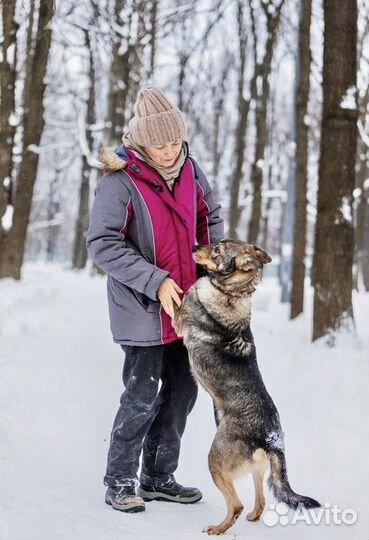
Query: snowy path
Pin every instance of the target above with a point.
(61, 383)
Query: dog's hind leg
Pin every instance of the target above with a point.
(224, 481)
(258, 477)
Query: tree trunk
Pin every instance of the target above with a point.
(302, 97)
(240, 135)
(218, 100)
(364, 256)
(264, 68)
(181, 80)
(362, 221)
(126, 67)
(334, 234)
(361, 262)
(79, 249)
(12, 243)
(118, 82)
(53, 210)
(7, 102)
(153, 32)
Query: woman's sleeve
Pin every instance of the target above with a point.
(210, 226)
(110, 215)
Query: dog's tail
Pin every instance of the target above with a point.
(278, 483)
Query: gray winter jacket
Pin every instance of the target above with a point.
(140, 233)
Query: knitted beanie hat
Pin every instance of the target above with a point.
(156, 121)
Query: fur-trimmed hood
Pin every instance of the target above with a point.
(116, 159)
(111, 158)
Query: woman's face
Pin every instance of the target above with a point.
(166, 154)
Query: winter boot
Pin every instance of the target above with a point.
(153, 489)
(124, 498)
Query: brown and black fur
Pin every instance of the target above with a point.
(214, 320)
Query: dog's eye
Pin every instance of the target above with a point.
(216, 251)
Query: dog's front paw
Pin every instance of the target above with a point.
(253, 516)
(213, 529)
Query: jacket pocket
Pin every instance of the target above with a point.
(150, 305)
(130, 299)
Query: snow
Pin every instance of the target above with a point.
(13, 119)
(276, 440)
(260, 163)
(349, 99)
(91, 160)
(7, 219)
(61, 384)
(275, 193)
(10, 54)
(46, 223)
(34, 148)
(346, 210)
(363, 134)
(259, 84)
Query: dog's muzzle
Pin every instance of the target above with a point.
(230, 268)
(227, 270)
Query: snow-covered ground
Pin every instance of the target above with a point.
(61, 383)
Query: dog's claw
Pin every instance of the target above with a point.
(251, 516)
(212, 529)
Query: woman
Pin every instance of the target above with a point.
(152, 205)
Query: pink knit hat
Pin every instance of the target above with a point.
(156, 120)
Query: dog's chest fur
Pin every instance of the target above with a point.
(213, 325)
(232, 312)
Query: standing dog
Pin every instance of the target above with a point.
(214, 320)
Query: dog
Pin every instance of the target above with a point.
(214, 321)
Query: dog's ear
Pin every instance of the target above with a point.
(243, 262)
(262, 255)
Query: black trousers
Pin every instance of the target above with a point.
(150, 419)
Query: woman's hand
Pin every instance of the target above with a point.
(168, 294)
